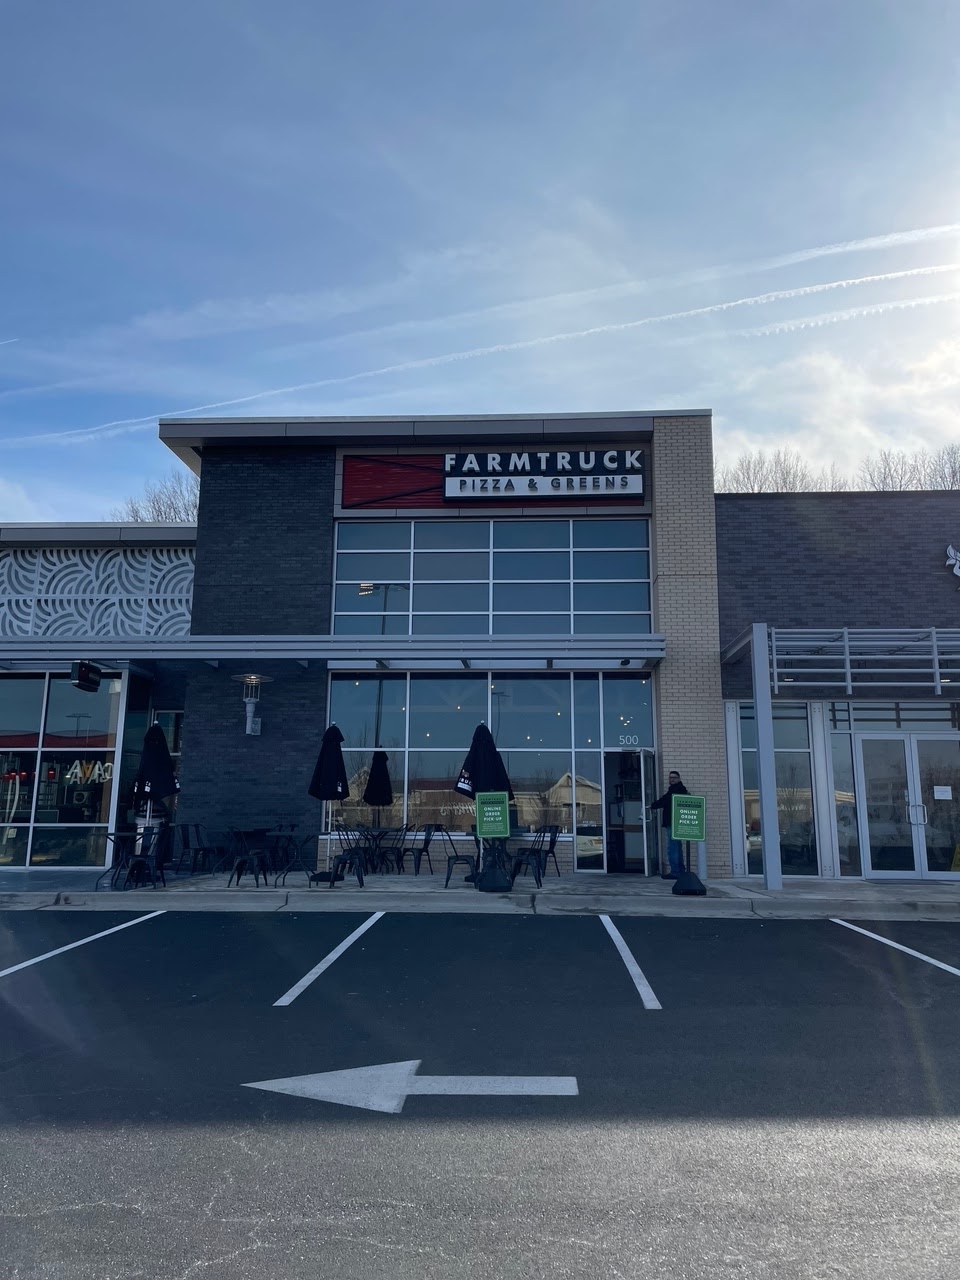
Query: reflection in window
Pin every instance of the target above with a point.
(21, 705)
(431, 796)
(588, 815)
(354, 811)
(445, 710)
(63, 847)
(541, 786)
(75, 718)
(13, 846)
(17, 777)
(845, 804)
(586, 711)
(627, 712)
(611, 533)
(906, 715)
(369, 711)
(74, 787)
(531, 711)
(798, 838)
(583, 577)
(451, 535)
(373, 535)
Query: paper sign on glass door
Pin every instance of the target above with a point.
(943, 793)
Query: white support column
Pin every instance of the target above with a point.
(738, 834)
(823, 800)
(766, 761)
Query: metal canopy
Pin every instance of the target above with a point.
(860, 660)
(397, 653)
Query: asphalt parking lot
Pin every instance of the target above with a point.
(789, 1109)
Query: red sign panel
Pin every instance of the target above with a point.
(393, 482)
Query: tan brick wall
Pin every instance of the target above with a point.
(690, 727)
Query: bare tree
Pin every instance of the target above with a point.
(890, 469)
(172, 500)
(785, 471)
(782, 471)
(942, 468)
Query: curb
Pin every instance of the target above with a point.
(469, 902)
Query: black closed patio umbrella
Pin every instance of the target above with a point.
(484, 770)
(156, 780)
(329, 781)
(378, 793)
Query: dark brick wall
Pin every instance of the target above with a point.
(264, 542)
(264, 567)
(835, 560)
(230, 779)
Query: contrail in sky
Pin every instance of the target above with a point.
(124, 425)
(5, 342)
(851, 313)
(626, 288)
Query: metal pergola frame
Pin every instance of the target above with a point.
(851, 660)
(353, 653)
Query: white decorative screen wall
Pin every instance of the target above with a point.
(96, 591)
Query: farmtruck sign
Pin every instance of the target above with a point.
(550, 474)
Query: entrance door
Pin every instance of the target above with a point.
(629, 831)
(938, 802)
(910, 805)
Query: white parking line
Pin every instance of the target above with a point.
(650, 1001)
(289, 996)
(878, 937)
(25, 964)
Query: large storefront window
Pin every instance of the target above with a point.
(493, 577)
(550, 729)
(794, 773)
(57, 757)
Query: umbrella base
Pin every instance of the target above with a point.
(494, 880)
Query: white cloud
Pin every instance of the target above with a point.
(16, 505)
(834, 408)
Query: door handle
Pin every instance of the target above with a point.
(923, 820)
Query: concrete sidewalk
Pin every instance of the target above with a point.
(564, 895)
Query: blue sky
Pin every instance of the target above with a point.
(444, 206)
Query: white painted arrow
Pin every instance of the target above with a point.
(386, 1087)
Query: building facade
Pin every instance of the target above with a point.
(571, 581)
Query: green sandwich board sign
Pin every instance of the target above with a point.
(688, 818)
(493, 815)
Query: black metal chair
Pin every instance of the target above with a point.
(146, 859)
(195, 848)
(280, 845)
(549, 848)
(250, 857)
(355, 850)
(528, 859)
(391, 850)
(124, 844)
(454, 855)
(420, 848)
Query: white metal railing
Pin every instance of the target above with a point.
(857, 660)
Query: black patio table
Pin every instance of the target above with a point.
(378, 838)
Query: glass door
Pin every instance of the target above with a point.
(889, 819)
(628, 777)
(910, 805)
(937, 767)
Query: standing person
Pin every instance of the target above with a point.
(675, 787)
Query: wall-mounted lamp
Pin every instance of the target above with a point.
(251, 696)
(624, 662)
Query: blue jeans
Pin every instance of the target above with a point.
(675, 854)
